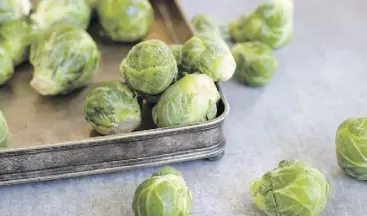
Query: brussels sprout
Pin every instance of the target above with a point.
(71, 12)
(177, 52)
(351, 147)
(16, 37)
(270, 23)
(111, 108)
(294, 188)
(256, 64)
(14, 10)
(149, 67)
(205, 23)
(125, 20)
(190, 100)
(7, 66)
(209, 54)
(5, 137)
(64, 58)
(164, 193)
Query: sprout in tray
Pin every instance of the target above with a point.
(177, 52)
(7, 66)
(294, 188)
(205, 23)
(149, 67)
(125, 20)
(270, 23)
(164, 193)
(64, 58)
(208, 54)
(112, 108)
(256, 64)
(14, 10)
(71, 12)
(5, 137)
(16, 37)
(192, 99)
(351, 147)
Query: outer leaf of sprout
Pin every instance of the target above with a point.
(190, 100)
(64, 58)
(205, 23)
(177, 52)
(208, 54)
(16, 37)
(256, 64)
(70, 12)
(125, 20)
(111, 108)
(7, 66)
(351, 147)
(14, 10)
(164, 193)
(149, 67)
(294, 188)
(5, 137)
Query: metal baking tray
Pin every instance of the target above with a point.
(52, 140)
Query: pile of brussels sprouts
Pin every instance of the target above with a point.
(254, 37)
(178, 79)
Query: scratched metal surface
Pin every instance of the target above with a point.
(320, 82)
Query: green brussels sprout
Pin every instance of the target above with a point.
(71, 12)
(16, 37)
(112, 108)
(192, 99)
(270, 23)
(208, 54)
(149, 67)
(256, 64)
(177, 52)
(7, 66)
(5, 137)
(294, 188)
(125, 20)
(64, 58)
(205, 23)
(164, 193)
(14, 10)
(351, 147)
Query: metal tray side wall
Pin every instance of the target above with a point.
(92, 155)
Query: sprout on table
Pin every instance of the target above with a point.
(294, 188)
(256, 64)
(351, 147)
(270, 23)
(164, 193)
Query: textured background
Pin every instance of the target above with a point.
(320, 82)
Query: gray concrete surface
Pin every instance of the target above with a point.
(320, 82)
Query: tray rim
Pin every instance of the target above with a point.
(136, 135)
